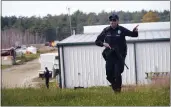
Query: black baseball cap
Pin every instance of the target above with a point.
(114, 16)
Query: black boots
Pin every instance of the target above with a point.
(115, 88)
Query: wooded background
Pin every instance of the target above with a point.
(36, 30)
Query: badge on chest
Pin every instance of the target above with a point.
(118, 33)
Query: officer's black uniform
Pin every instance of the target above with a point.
(46, 75)
(116, 39)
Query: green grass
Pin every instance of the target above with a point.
(27, 57)
(5, 66)
(95, 96)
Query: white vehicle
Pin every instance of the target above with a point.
(51, 61)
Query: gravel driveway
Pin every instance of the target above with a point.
(20, 75)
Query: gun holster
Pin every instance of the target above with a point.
(106, 52)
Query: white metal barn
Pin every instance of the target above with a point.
(82, 64)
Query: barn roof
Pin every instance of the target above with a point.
(147, 32)
(130, 26)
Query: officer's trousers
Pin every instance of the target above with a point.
(47, 82)
(114, 69)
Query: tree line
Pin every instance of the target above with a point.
(57, 27)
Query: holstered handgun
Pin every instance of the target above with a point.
(108, 52)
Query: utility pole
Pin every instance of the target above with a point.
(57, 35)
(69, 19)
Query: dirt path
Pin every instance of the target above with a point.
(20, 75)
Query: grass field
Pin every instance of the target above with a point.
(26, 58)
(95, 96)
(5, 66)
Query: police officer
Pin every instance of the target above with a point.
(47, 75)
(111, 37)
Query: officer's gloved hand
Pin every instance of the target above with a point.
(106, 45)
(135, 29)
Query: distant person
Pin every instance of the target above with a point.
(13, 54)
(113, 38)
(47, 75)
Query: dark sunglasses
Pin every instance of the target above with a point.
(114, 20)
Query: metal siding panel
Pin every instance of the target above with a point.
(62, 70)
(83, 68)
(152, 57)
(66, 68)
(88, 68)
(91, 75)
(66, 60)
(85, 60)
(88, 61)
(75, 77)
(69, 67)
(128, 76)
(76, 62)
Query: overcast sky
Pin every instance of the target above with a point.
(42, 8)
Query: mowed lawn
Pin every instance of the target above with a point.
(95, 96)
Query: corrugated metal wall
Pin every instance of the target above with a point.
(128, 76)
(152, 57)
(85, 66)
(62, 67)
